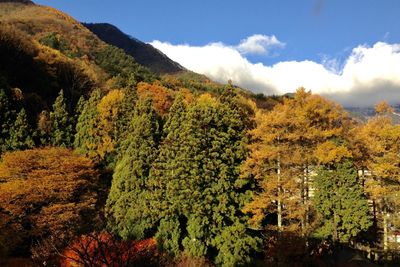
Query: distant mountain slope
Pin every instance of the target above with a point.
(43, 50)
(363, 114)
(143, 53)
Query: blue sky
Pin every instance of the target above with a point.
(328, 38)
(310, 28)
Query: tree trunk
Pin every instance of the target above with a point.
(385, 232)
(303, 202)
(279, 210)
(335, 235)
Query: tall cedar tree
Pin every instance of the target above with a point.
(203, 192)
(125, 206)
(163, 182)
(62, 131)
(126, 110)
(340, 200)
(20, 134)
(88, 136)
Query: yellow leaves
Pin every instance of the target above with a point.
(207, 100)
(109, 109)
(109, 105)
(383, 108)
(329, 153)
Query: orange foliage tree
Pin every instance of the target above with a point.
(45, 192)
(161, 96)
(102, 249)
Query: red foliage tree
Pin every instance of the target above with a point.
(103, 249)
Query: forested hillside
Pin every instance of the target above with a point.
(105, 163)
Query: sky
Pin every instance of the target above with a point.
(348, 50)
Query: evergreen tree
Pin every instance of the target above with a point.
(199, 178)
(87, 137)
(78, 109)
(340, 200)
(126, 113)
(62, 132)
(20, 133)
(168, 235)
(213, 149)
(5, 119)
(163, 172)
(126, 206)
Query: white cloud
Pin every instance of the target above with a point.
(368, 75)
(259, 44)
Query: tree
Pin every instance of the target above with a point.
(340, 200)
(213, 149)
(161, 96)
(125, 206)
(44, 127)
(284, 145)
(46, 192)
(103, 249)
(163, 180)
(109, 111)
(168, 235)
(62, 132)
(380, 139)
(88, 136)
(20, 134)
(5, 119)
(198, 181)
(126, 110)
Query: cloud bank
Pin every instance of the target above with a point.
(368, 75)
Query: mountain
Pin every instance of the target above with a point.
(363, 114)
(43, 50)
(143, 53)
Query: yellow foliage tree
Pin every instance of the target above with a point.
(380, 140)
(301, 132)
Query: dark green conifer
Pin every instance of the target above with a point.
(198, 178)
(62, 132)
(340, 200)
(20, 134)
(123, 124)
(126, 206)
(87, 137)
(163, 174)
(168, 235)
(5, 119)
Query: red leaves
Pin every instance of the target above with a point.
(102, 249)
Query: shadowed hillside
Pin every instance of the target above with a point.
(144, 54)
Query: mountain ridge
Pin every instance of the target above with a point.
(144, 54)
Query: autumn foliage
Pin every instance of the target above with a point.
(162, 99)
(45, 192)
(102, 249)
